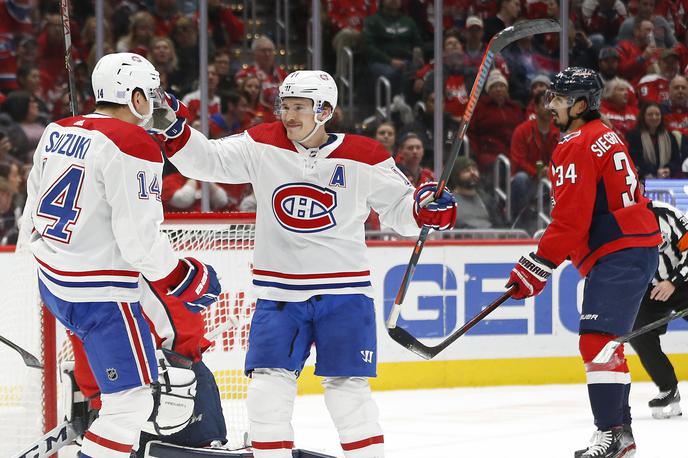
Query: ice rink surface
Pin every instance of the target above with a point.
(548, 421)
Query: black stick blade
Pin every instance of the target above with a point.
(29, 359)
(406, 340)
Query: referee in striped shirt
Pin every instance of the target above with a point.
(668, 292)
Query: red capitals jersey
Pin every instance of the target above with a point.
(597, 205)
(677, 119)
(653, 88)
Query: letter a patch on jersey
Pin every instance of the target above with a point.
(338, 177)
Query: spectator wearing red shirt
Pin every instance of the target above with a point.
(675, 111)
(141, 29)
(181, 194)
(193, 99)
(455, 91)
(615, 107)
(224, 28)
(15, 19)
(531, 149)
(269, 74)
(51, 50)
(602, 19)
(165, 15)
(410, 154)
(494, 120)
(655, 86)
(258, 112)
(346, 19)
(654, 150)
(663, 31)
(637, 56)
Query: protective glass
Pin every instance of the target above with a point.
(282, 108)
(158, 97)
(555, 101)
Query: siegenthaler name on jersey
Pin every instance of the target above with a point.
(604, 143)
(68, 144)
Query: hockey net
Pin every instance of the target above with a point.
(29, 397)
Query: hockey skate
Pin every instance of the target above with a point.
(612, 443)
(666, 404)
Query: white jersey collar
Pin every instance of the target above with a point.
(322, 151)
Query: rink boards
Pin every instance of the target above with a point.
(522, 342)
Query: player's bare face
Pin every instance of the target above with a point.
(296, 114)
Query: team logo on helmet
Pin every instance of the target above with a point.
(304, 207)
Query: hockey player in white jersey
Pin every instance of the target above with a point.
(92, 222)
(314, 191)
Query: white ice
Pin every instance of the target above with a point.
(547, 421)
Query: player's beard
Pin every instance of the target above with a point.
(556, 120)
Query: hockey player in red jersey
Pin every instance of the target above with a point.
(601, 221)
(314, 192)
(92, 221)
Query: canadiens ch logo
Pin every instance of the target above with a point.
(304, 207)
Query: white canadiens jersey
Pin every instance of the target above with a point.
(93, 213)
(312, 205)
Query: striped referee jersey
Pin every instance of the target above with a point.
(673, 224)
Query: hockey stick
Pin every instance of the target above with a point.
(60, 436)
(232, 322)
(67, 34)
(29, 359)
(608, 350)
(496, 44)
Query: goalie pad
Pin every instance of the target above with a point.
(173, 396)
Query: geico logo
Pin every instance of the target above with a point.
(437, 304)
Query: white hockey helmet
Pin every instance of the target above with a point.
(316, 85)
(116, 76)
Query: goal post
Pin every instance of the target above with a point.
(29, 397)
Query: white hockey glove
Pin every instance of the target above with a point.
(169, 116)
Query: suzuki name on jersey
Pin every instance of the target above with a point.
(70, 145)
(605, 143)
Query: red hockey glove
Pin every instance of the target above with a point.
(194, 283)
(169, 117)
(530, 276)
(439, 214)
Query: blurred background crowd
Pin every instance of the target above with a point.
(640, 48)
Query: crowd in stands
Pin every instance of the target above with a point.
(640, 48)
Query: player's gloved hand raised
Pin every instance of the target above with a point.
(169, 117)
(529, 276)
(439, 214)
(199, 288)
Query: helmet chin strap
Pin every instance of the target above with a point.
(318, 123)
(143, 119)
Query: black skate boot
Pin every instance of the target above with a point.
(666, 404)
(611, 443)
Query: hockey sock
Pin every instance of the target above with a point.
(270, 404)
(116, 430)
(355, 415)
(608, 384)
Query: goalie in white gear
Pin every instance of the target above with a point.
(92, 222)
(314, 191)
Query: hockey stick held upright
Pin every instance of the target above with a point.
(496, 44)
